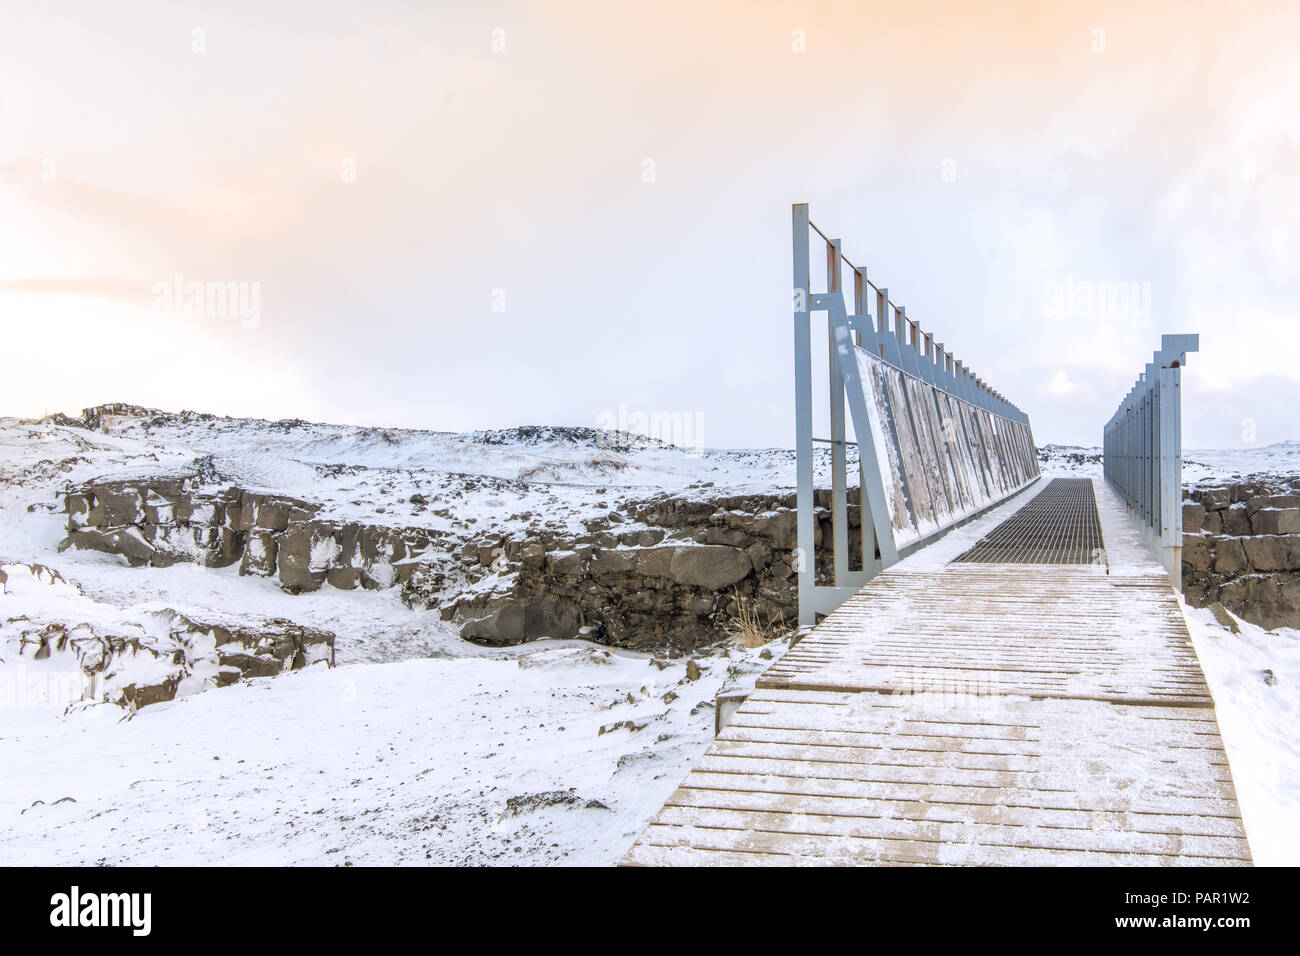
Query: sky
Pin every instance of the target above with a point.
(461, 215)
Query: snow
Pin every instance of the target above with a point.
(379, 764)
(1255, 679)
(420, 747)
(411, 750)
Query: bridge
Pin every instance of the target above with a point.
(1022, 691)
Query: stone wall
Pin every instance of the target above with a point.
(1241, 547)
(671, 572)
(665, 572)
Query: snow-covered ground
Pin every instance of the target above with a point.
(1279, 460)
(420, 747)
(1255, 679)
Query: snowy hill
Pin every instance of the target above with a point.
(418, 746)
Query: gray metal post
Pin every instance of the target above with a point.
(839, 458)
(804, 569)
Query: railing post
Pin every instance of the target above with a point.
(1142, 448)
(804, 561)
(839, 458)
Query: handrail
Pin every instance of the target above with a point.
(1142, 450)
(936, 444)
(907, 331)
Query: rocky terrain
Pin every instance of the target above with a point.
(497, 537)
(578, 533)
(1241, 526)
(149, 557)
(1241, 548)
(74, 650)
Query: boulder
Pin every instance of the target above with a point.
(259, 554)
(1229, 556)
(1214, 499)
(78, 508)
(613, 563)
(1272, 520)
(298, 557)
(709, 566)
(1273, 552)
(228, 548)
(656, 562)
(1272, 501)
(565, 563)
(126, 542)
(546, 617)
(533, 555)
(504, 623)
(1235, 520)
(780, 527)
(1193, 517)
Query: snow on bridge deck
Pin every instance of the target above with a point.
(973, 714)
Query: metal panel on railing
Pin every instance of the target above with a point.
(1142, 450)
(936, 445)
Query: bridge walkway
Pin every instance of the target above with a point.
(1026, 697)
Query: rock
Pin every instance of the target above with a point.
(1213, 522)
(615, 562)
(250, 665)
(1229, 556)
(136, 696)
(1214, 499)
(1235, 521)
(504, 624)
(1224, 618)
(259, 554)
(548, 617)
(779, 527)
(345, 579)
(1272, 501)
(229, 548)
(709, 566)
(77, 507)
(565, 563)
(124, 541)
(303, 558)
(273, 514)
(730, 537)
(115, 504)
(1276, 521)
(533, 555)
(1193, 517)
(418, 499)
(1274, 552)
(656, 562)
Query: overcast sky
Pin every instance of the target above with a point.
(459, 215)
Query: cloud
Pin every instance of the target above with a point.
(1060, 384)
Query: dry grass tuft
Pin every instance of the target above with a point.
(748, 625)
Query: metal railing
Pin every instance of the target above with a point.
(1142, 450)
(902, 345)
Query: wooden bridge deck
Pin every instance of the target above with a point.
(973, 714)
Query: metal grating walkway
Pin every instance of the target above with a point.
(1058, 526)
